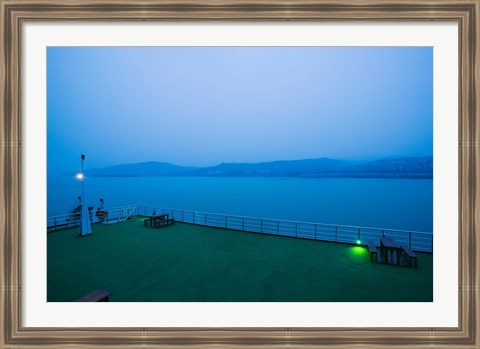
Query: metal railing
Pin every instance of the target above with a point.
(417, 241)
(121, 214)
(72, 220)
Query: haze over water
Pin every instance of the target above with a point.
(379, 203)
(201, 106)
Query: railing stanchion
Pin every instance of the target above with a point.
(296, 227)
(261, 225)
(278, 227)
(315, 232)
(358, 239)
(194, 214)
(225, 222)
(336, 233)
(410, 240)
(243, 223)
(182, 215)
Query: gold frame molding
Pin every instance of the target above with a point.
(14, 13)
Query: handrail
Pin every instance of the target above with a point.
(71, 220)
(288, 221)
(66, 215)
(420, 241)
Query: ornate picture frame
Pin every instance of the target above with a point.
(15, 13)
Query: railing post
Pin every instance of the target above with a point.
(296, 227)
(182, 215)
(243, 223)
(278, 227)
(194, 214)
(336, 233)
(358, 239)
(315, 232)
(261, 225)
(410, 240)
(225, 222)
(383, 233)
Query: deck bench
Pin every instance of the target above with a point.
(411, 255)
(373, 250)
(96, 296)
(158, 221)
(163, 222)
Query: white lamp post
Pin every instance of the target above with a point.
(85, 228)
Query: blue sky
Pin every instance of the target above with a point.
(202, 106)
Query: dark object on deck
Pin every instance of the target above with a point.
(373, 251)
(158, 221)
(101, 214)
(96, 296)
(389, 251)
(410, 254)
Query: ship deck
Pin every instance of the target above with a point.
(185, 262)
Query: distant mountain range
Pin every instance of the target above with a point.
(141, 169)
(411, 167)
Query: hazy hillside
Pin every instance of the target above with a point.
(406, 166)
(151, 168)
(414, 167)
(294, 168)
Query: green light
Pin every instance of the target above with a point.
(358, 250)
(358, 242)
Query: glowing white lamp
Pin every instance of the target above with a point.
(85, 228)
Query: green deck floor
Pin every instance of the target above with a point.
(191, 263)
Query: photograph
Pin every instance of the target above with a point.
(272, 174)
(239, 173)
